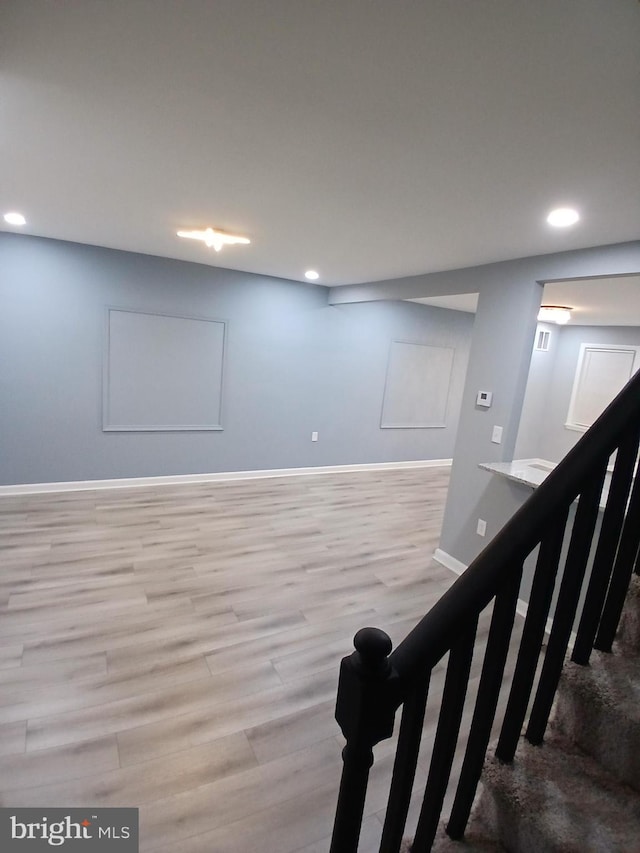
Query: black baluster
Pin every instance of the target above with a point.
(404, 766)
(444, 747)
(575, 566)
(532, 637)
(495, 658)
(603, 561)
(625, 560)
(365, 710)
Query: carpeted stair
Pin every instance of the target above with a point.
(580, 791)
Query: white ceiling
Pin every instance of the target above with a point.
(593, 301)
(369, 140)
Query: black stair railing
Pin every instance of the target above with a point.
(375, 682)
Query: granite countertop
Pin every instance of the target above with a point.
(529, 472)
(532, 472)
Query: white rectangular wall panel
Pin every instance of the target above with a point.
(162, 372)
(601, 373)
(417, 386)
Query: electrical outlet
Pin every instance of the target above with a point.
(496, 435)
(481, 529)
(314, 436)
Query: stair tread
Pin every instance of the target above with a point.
(611, 679)
(561, 800)
(476, 840)
(598, 708)
(628, 636)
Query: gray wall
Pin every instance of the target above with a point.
(534, 407)
(542, 427)
(509, 297)
(293, 364)
(504, 330)
(501, 349)
(555, 439)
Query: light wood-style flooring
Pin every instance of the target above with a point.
(176, 648)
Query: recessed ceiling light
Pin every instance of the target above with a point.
(213, 238)
(312, 275)
(562, 217)
(560, 314)
(14, 218)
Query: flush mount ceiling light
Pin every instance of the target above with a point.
(559, 314)
(562, 217)
(312, 275)
(14, 218)
(213, 238)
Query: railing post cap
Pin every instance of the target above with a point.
(374, 646)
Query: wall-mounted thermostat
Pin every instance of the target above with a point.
(484, 398)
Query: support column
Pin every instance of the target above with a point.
(503, 335)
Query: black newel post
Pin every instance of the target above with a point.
(365, 711)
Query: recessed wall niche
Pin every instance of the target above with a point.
(417, 386)
(162, 372)
(602, 371)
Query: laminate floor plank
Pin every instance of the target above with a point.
(199, 695)
(176, 648)
(10, 656)
(154, 625)
(297, 638)
(13, 738)
(144, 782)
(236, 799)
(27, 701)
(65, 672)
(61, 763)
(293, 732)
(214, 719)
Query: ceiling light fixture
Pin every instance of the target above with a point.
(213, 238)
(559, 314)
(562, 217)
(312, 275)
(14, 218)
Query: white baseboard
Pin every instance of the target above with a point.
(181, 479)
(458, 568)
(449, 562)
